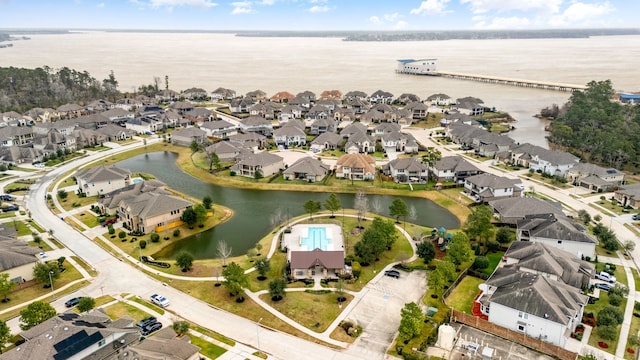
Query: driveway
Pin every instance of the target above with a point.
(378, 312)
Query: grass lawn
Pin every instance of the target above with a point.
(17, 185)
(619, 273)
(309, 309)
(636, 278)
(69, 181)
(36, 226)
(20, 227)
(610, 206)
(595, 308)
(41, 245)
(278, 263)
(151, 306)
(214, 335)
(339, 334)
(207, 349)
(633, 331)
(548, 181)
(104, 299)
(73, 200)
(461, 298)
(85, 266)
(494, 260)
(87, 218)
(121, 309)
(6, 215)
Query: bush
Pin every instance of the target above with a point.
(176, 232)
(609, 316)
(143, 244)
(607, 332)
(615, 299)
(122, 234)
(481, 262)
(356, 269)
(493, 246)
(155, 237)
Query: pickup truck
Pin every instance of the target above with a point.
(605, 276)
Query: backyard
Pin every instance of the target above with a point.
(461, 298)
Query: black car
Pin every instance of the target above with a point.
(603, 286)
(146, 322)
(10, 208)
(392, 273)
(72, 302)
(151, 328)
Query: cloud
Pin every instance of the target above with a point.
(242, 7)
(502, 23)
(391, 17)
(267, 2)
(431, 7)
(100, 5)
(317, 1)
(484, 6)
(400, 25)
(581, 14)
(318, 9)
(174, 3)
(375, 20)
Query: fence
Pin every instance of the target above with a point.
(518, 337)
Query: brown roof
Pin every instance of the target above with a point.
(307, 259)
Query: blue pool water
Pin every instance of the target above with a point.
(135, 181)
(316, 239)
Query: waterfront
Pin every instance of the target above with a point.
(244, 64)
(254, 209)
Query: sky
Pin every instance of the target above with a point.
(319, 14)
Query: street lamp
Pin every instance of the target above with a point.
(258, 333)
(51, 281)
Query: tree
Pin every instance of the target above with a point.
(36, 313)
(5, 335)
(426, 251)
(411, 321)
(478, 224)
(86, 304)
(155, 237)
(375, 240)
(122, 234)
(312, 207)
(234, 279)
(257, 175)
(224, 251)
(607, 332)
(361, 205)
(431, 156)
(277, 288)
(206, 202)
(143, 244)
(584, 216)
(609, 316)
(201, 214)
(262, 266)
(190, 217)
(480, 263)
(181, 327)
(458, 249)
(597, 218)
(45, 273)
(214, 160)
(6, 286)
(333, 203)
(504, 235)
(184, 260)
(398, 208)
(195, 146)
(63, 194)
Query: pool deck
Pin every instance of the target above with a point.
(295, 241)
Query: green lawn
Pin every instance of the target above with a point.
(494, 260)
(636, 278)
(36, 226)
(207, 349)
(461, 298)
(20, 227)
(157, 309)
(595, 308)
(88, 219)
(121, 309)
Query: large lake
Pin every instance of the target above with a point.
(209, 61)
(254, 209)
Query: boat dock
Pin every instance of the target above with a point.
(510, 81)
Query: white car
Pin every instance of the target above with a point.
(603, 275)
(160, 300)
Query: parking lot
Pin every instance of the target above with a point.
(379, 310)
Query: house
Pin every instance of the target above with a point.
(533, 304)
(558, 231)
(359, 106)
(322, 125)
(102, 179)
(17, 258)
(407, 98)
(181, 106)
(511, 210)
(167, 95)
(164, 344)
(355, 95)
(356, 167)
(325, 141)
(290, 112)
(222, 94)
(407, 170)
(301, 102)
(219, 128)
(488, 187)
(282, 96)
(554, 263)
(360, 142)
(195, 94)
(315, 251)
(385, 128)
(199, 115)
(306, 168)
(251, 141)
(118, 115)
(226, 151)
(628, 195)
(418, 110)
(16, 135)
(17, 155)
(184, 137)
(399, 142)
(550, 162)
(331, 95)
(99, 105)
(92, 121)
(452, 168)
(440, 100)
(470, 106)
(331, 104)
(266, 109)
(264, 163)
(144, 124)
(256, 124)
(115, 133)
(292, 134)
(152, 211)
(344, 114)
(109, 203)
(381, 97)
(319, 112)
(256, 95)
(307, 94)
(68, 111)
(353, 128)
(485, 143)
(594, 177)
(89, 138)
(92, 335)
(54, 141)
(241, 105)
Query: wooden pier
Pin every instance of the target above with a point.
(509, 81)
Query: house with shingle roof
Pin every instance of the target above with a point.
(116, 133)
(417, 109)
(219, 128)
(291, 134)
(470, 106)
(17, 155)
(118, 115)
(195, 94)
(307, 94)
(353, 128)
(399, 142)
(407, 170)
(88, 138)
(102, 179)
(199, 115)
(487, 187)
(550, 162)
(355, 94)
(222, 94)
(289, 112)
(167, 95)
(306, 168)
(16, 135)
(184, 137)
(344, 114)
(559, 231)
(440, 99)
(152, 211)
(356, 167)
(145, 124)
(304, 263)
(331, 95)
(266, 109)
(164, 344)
(533, 304)
(99, 105)
(108, 203)
(318, 112)
(360, 142)
(181, 106)
(241, 105)
(452, 168)
(628, 195)
(16, 257)
(325, 141)
(594, 177)
(53, 141)
(407, 98)
(251, 141)
(226, 151)
(264, 162)
(381, 97)
(256, 95)
(511, 210)
(322, 125)
(69, 111)
(372, 116)
(256, 124)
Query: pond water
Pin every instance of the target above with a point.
(255, 209)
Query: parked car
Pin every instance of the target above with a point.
(605, 276)
(42, 254)
(6, 197)
(151, 328)
(635, 217)
(146, 322)
(392, 273)
(72, 302)
(160, 300)
(10, 208)
(603, 286)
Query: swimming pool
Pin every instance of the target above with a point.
(316, 239)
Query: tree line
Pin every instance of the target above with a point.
(597, 129)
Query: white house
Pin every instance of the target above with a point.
(417, 66)
(102, 179)
(559, 231)
(487, 187)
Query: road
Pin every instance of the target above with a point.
(117, 277)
